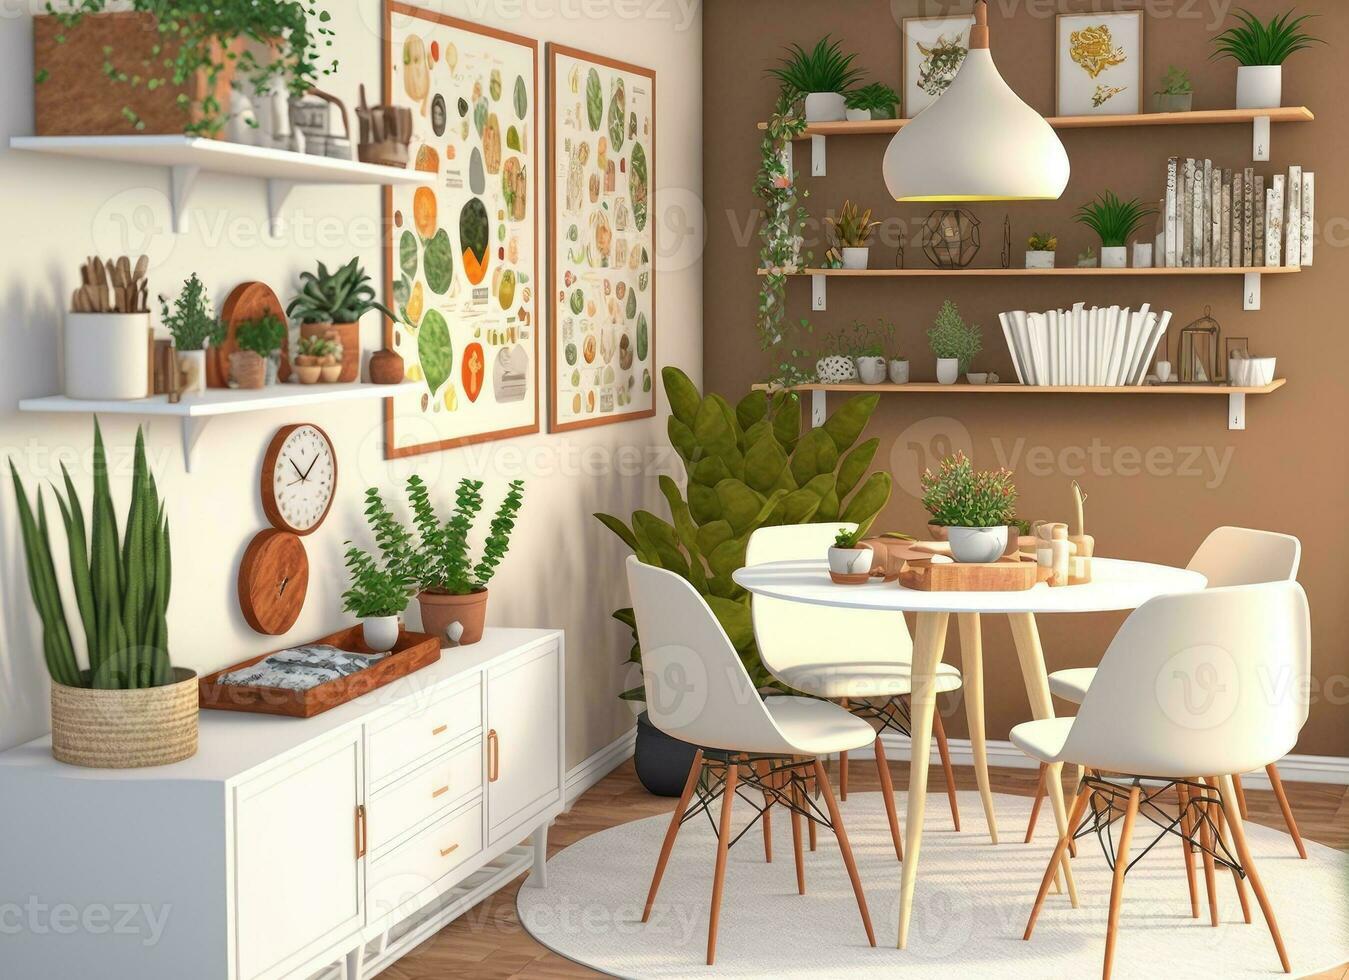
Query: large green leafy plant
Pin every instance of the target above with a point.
(748, 467)
(1115, 220)
(120, 582)
(959, 496)
(343, 296)
(1255, 42)
(191, 322)
(824, 68)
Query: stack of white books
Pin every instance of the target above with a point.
(1099, 347)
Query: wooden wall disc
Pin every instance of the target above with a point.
(247, 301)
(273, 579)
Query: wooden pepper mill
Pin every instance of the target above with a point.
(1084, 544)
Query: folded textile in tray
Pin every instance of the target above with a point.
(301, 668)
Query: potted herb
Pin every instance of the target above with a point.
(1115, 221)
(974, 507)
(126, 705)
(1260, 49)
(336, 301)
(318, 359)
(193, 327)
(852, 230)
(263, 338)
(823, 75)
(1040, 250)
(874, 101)
(845, 557)
(1086, 259)
(1176, 93)
(869, 351)
(380, 588)
(899, 370)
(106, 332)
(954, 342)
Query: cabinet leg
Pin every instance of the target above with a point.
(538, 876)
(351, 966)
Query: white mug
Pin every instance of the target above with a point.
(1163, 371)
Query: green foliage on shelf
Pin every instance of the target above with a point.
(1255, 42)
(880, 98)
(1176, 81)
(264, 335)
(848, 539)
(343, 296)
(121, 583)
(950, 336)
(852, 227)
(1113, 219)
(824, 68)
(958, 496)
(191, 321)
(1042, 242)
(748, 467)
(859, 340)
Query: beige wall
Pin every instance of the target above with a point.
(564, 570)
(1161, 472)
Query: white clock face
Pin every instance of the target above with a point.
(304, 478)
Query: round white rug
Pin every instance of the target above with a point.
(970, 905)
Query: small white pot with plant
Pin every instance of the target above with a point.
(874, 101)
(953, 342)
(823, 74)
(846, 558)
(378, 594)
(1115, 221)
(1176, 93)
(851, 231)
(974, 507)
(107, 330)
(869, 350)
(1040, 251)
(899, 370)
(194, 328)
(1260, 49)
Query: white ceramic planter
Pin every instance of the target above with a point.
(856, 257)
(850, 561)
(899, 372)
(380, 632)
(1114, 257)
(871, 370)
(857, 115)
(977, 544)
(825, 107)
(1250, 372)
(191, 372)
(107, 355)
(1176, 102)
(1142, 255)
(835, 370)
(948, 370)
(1040, 260)
(1259, 86)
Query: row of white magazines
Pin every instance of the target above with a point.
(1215, 217)
(1097, 347)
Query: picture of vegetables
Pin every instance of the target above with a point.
(506, 289)
(434, 350)
(438, 262)
(416, 303)
(643, 337)
(521, 97)
(570, 355)
(602, 238)
(474, 234)
(480, 115)
(618, 115)
(477, 178)
(491, 144)
(463, 108)
(428, 160)
(424, 211)
(494, 84)
(416, 72)
(473, 371)
(637, 186)
(513, 140)
(514, 188)
(577, 301)
(594, 99)
(576, 163)
(631, 310)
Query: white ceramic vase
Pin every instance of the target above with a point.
(380, 632)
(1250, 372)
(1259, 86)
(107, 355)
(850, 561)
(1114, 256)
(191, 372)
(1142, 255)
(899, 372)
(871, 370)
(948, 370)
(1040, 260)
(856, 257)
(977, 544)
(857, 115)
(825, 107)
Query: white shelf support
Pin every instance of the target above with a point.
(182, 178)
(278, 191)
(1236, 411)
(1261, 138)
(817, 408)
(817, 159)
(193, 426)
(1250, 294)
(817, 292)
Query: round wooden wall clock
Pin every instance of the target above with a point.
(299, 480)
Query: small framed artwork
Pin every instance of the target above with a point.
(1100, 64)
(934, 50)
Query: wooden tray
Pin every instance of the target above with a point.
(1006, 575)
(413, 651)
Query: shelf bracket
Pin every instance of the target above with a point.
(817, 292)
(1250, 294)
(817, 408)
(277, 193)
(193, 426)
(1236, 410)
(817, 161)
(182, 177)
(1260, 143)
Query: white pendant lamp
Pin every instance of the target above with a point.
(978, 141)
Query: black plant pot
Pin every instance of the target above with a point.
(662, 761)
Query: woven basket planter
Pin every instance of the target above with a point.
(102, 729)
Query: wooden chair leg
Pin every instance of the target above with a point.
(796, 840)
(843, 776)
(1253, 876)
(1183, 795)
(1206, 846)
(763, 771)
(723, 848)
(1040, 791)
(1272, 771)
(836, 819)
(1079, 805)
(1241, 795)
(888, 791)
(1226, 837)
(945, 752)
(1117, 885)
(695, 771)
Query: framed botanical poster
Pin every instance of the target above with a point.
(601, 240)
(1100, 64)
(934, 50)
(461, 253)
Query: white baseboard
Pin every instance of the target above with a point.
(589, 772)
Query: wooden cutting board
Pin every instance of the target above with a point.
(247, 301)
(1006, 575)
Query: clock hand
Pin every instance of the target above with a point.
(297, 469)
(311, 466)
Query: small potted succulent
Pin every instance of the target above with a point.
(1040, 250)
(263, 337)
(899, 370)
(1176, 93)
(1260, 49)
(869, 352)
(852, 230)
(380, 588)
(317, 359)
(846, 557)
(1087, 259)
(331, 302)
(822, 75)
(975, 508)
(1115, 221)
(194, 328)
(954, 342)
(874, 101)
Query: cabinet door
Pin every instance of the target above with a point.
(524, 749)
(298, 884)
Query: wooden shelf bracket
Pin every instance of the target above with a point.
(1261, 139)
(1250, 294)
(817, 292)
(278, 192)
(1236, 411)
(817, 158)
(182, 178)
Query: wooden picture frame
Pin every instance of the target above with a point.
(915, 98)
(482, 332)
(1121, 86)
(600, 372)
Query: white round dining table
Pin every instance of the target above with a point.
(1116, 584)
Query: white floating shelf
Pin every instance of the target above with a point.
(195, 411)
(186, 157)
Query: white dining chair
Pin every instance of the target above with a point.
(697, 690)
(1181, 701)
(1228, 556)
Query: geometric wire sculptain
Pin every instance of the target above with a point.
(951, 238)
(779, 780)
(1197, 351)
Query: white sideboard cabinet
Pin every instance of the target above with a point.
(290, 847)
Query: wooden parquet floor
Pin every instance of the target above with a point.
(488, 943)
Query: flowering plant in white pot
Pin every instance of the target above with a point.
(975, 507)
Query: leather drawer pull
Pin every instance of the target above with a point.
(439, 729)
(439, 792)
(447, 851)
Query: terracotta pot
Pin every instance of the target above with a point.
(248, 369)
(348, 335)
(307, 373)
(111, 729)
(386, 367)
(330, 373)
(441, 612)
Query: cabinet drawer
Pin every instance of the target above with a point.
(401, 875)
(440, 785)
(395, 743)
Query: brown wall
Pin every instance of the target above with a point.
(1151, 498)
